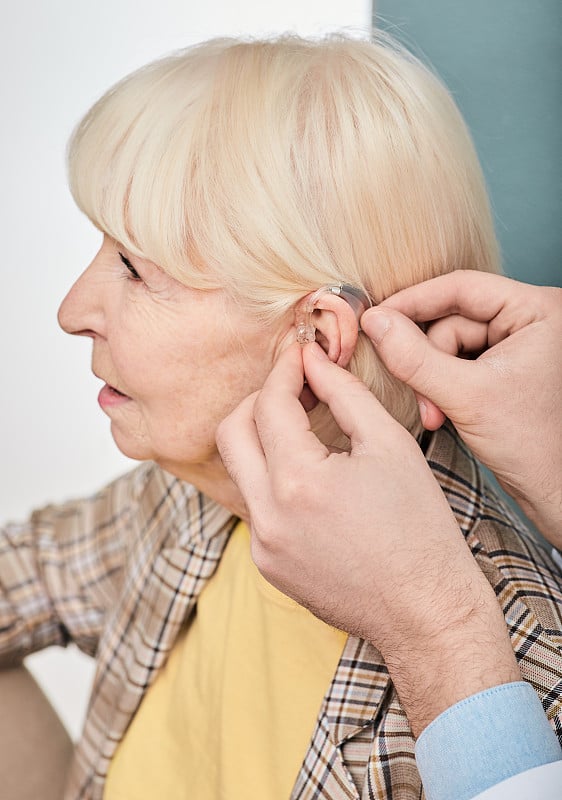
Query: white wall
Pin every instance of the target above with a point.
(57, 58)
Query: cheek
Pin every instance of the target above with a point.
(198, 398)
(184, 384)
(178, 400)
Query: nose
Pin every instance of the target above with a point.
(81, 311)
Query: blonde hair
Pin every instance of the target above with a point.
(270, 168)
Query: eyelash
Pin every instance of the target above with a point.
(133, 274)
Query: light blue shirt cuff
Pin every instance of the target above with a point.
(483, 740)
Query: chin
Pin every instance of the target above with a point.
(130, 446)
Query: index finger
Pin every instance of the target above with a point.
(355, 409)
(282, 423)
(479, 296)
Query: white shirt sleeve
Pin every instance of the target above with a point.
(540, 783)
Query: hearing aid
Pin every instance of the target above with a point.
(354, 297)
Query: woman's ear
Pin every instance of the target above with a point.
(335, 324)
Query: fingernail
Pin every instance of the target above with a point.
(377, 326)
(423, 411)
(317, 351)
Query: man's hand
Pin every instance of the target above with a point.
(506, 404)
(365, 539)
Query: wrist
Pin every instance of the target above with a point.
(541, 502)
(546, 516)
(461, 657)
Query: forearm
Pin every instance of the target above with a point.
(60, 570)
(27, 618)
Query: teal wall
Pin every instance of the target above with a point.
(502, 61)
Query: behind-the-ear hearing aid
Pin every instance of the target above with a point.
(355, 297)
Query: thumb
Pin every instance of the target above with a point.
(408, 354)
(355, 409)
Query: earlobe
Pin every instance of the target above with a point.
(330, 317)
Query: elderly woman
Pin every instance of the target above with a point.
(250, 194)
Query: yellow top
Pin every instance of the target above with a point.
(231, 714)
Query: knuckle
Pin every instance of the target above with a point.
(442, 334)
(264, 403)
(261, 402)
(415, 365)
(223, 433)
(259, 554)
(224, 447)
(292, 490)
(221, 440)
(266, 547)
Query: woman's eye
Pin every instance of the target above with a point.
(134, 275)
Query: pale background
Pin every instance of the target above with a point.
(57, 58)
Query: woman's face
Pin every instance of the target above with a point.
(175, 361)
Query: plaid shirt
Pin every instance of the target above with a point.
(120, 572)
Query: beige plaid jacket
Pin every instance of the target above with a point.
(120, 572)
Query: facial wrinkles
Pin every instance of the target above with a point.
(171, 339)
(136, 320)
(185, 357)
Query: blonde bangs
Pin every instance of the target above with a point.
(131, 156)
(272, 167)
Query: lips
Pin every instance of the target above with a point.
(109, 396)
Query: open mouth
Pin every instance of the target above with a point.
(116, 391)
(110, 396)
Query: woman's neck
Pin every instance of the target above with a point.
(212, 479)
